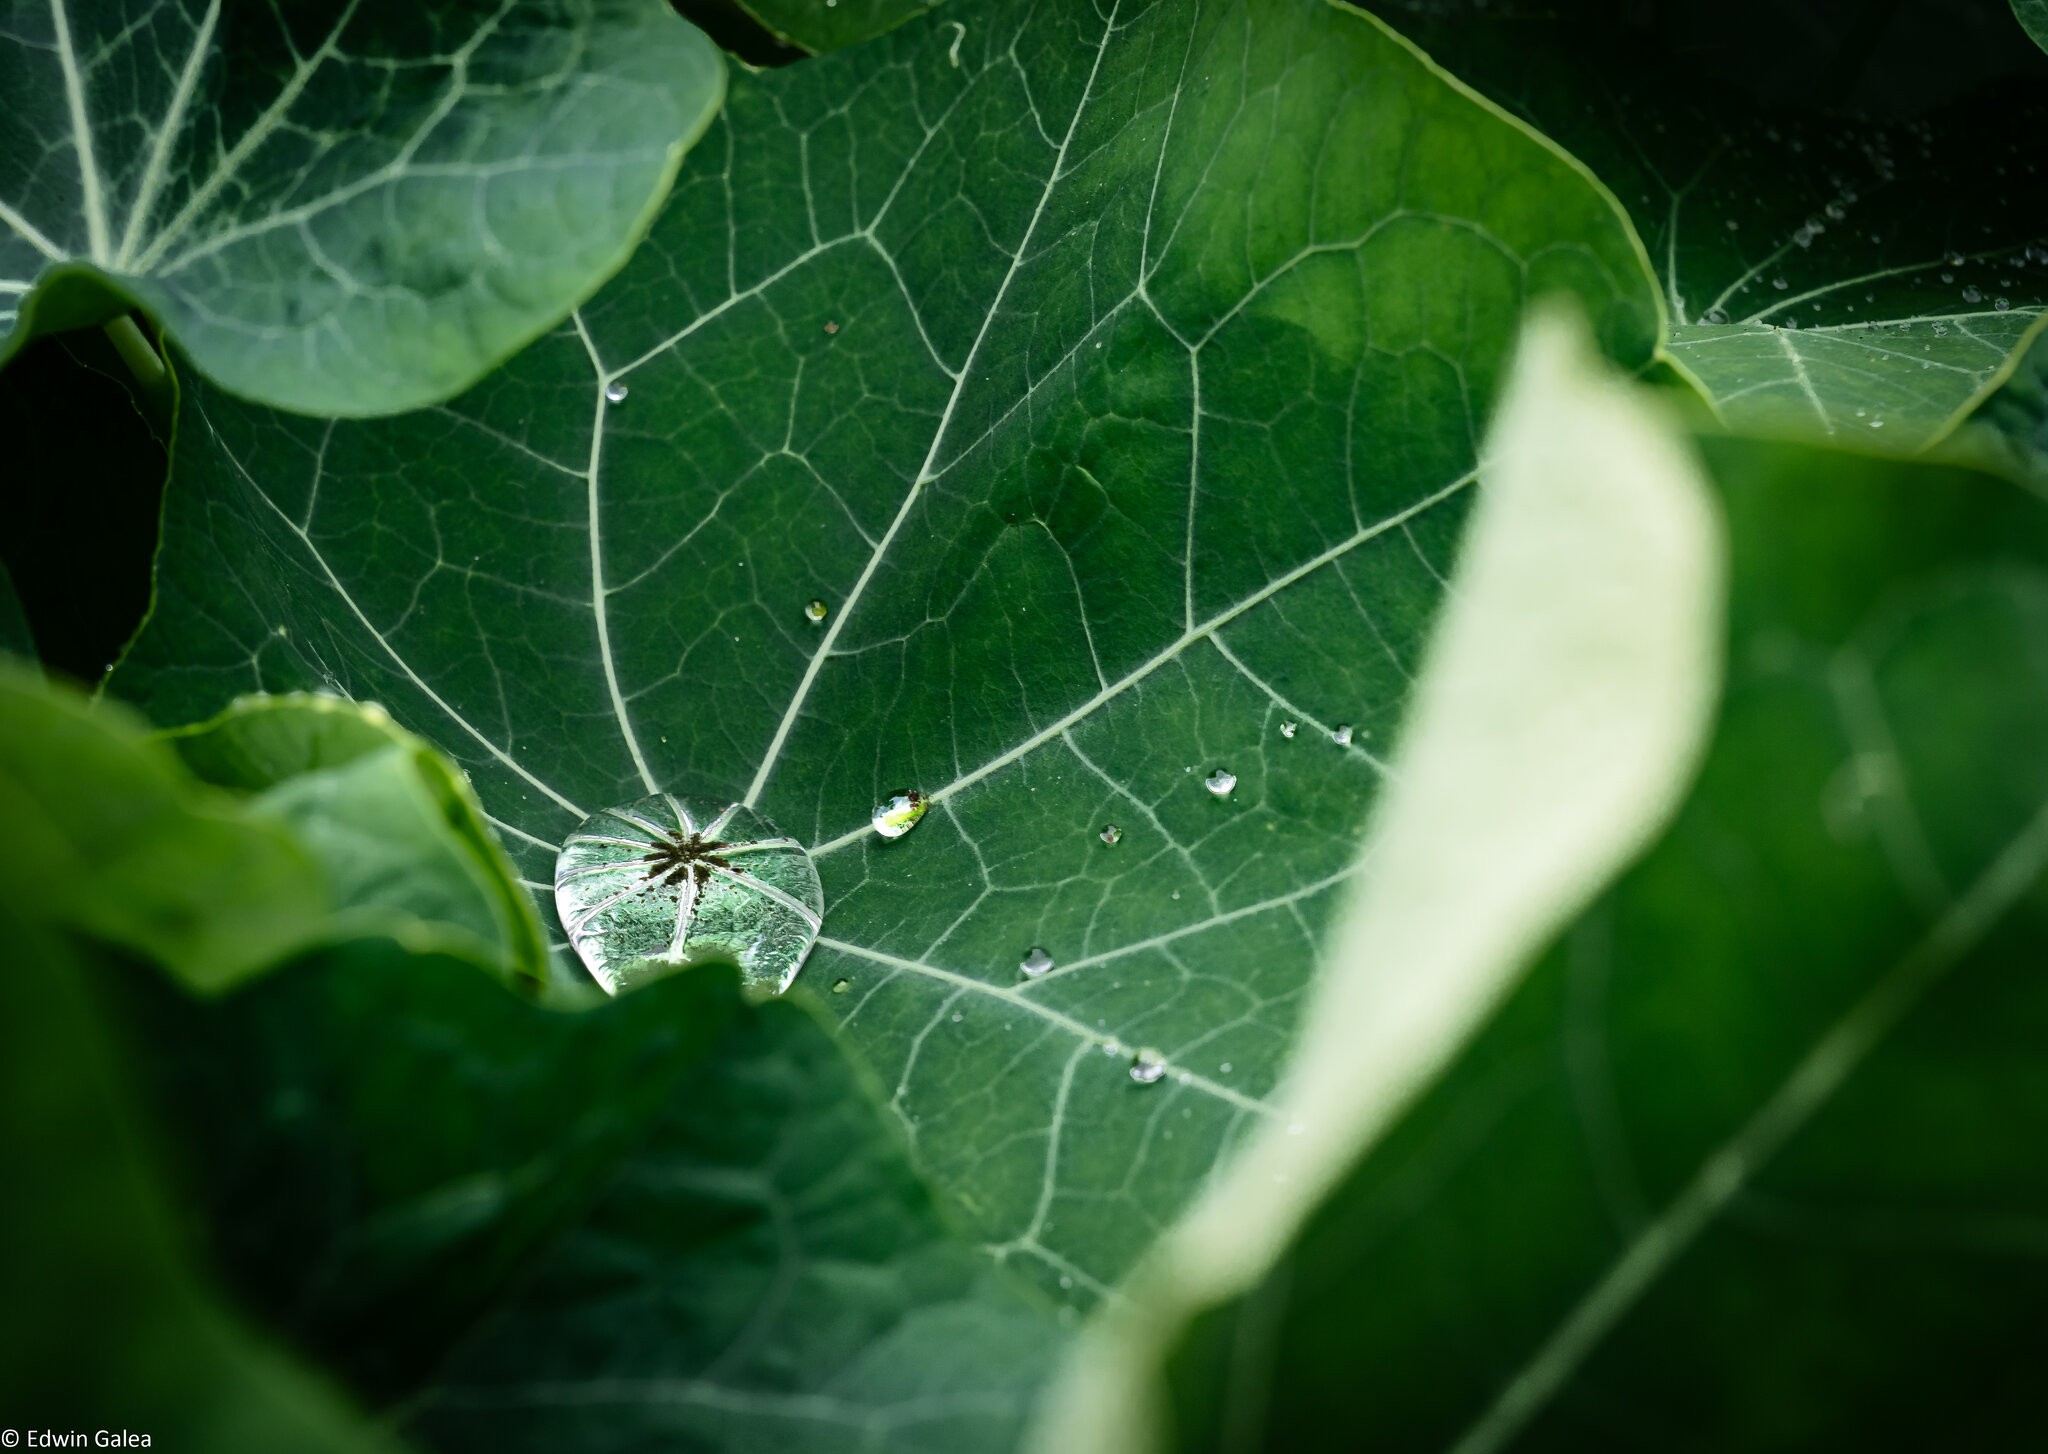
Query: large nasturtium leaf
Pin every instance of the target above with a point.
(1752, 1160)
(1824, 271)
(673, 1221)
(828, 25)
(1124, 440)
(345, 207)
(2033, 14)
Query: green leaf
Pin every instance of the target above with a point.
(1114, 430)
(1748, 1160)
(2009, 431)
(110, 1324)
(828, 25)
(346, 207)
(1560, 713)
(2033, 14)
(108, 836)
(1824, 271)
(397, 831)
(674, 1220)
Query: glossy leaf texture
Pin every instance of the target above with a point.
(1826, 271)
(1124, 440)
(1766, 1117)
(670, 1221)
(828, 25)
(2033, 14)
(347, 207)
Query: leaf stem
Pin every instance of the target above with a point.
(142, 360)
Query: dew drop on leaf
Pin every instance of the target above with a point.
(898, 813)
(1715, 315)
(1220, 782)
(669, 880)
(615, 392)
(1780, 284)
(841, 986)
(1148, 1067)
(815, 611)
(1111, 834)
(1342, 734)
(1287, 729)
(1035, 961)
(1972, 294)
(2002, 304)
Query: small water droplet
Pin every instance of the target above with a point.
(1780, 284)
(1953, 258)
(1940, 330)
(615, 392)
(898, 814)
(1220, 782)
(1715, 315)
(1111, 834)
(1732, 224)
(2003, 305)
(831, 326)
(1224, 1067)
(815, 611)
(1972, 294)
(1147, 1067)
(1836, 212)
(1035, 961)
(1342, 734)
(1877, 424)
(841, 986)
(667, 880)
(1113, 1047)
(1287, 729)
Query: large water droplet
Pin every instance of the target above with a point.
(899, 813)
(1147, 1067)
(615, 392)
(1035, 961)
(668, 880)
(1220, 782)
(1111, 834)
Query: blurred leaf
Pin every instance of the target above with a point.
(1825, 272)
(1111, 436)
(106, 1324)
(339, 206)
(672, 1221)
(109, 836)
(1560, 712)
(2010, 431)
(1751, 1159)
(396, 829)
(2033, 14)
(828, 25)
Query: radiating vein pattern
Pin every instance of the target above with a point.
(1115, 427)
(348, 205)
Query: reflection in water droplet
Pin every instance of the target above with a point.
(815, 611)
(668, 880)
(1111, 834)
(841, 986)
(1220, 782)
(1342, 736)
(2002, 304)
(1036, 961)
(900, 813)
(1972, 294)
(1147, 1067)
(615, 392)
(1953, 258)
(1715, 315)
(1287, 729)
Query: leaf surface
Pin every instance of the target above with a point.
(1825, 271)
(345, 207)
(1124, 440)
(1748, 1161)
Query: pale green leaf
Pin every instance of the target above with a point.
(2033, 14)
(346, 206)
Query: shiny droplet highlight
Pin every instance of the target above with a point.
(615, 392)
(898, 813)
(1148, 1067)
(1035, 961)
(1220, 782)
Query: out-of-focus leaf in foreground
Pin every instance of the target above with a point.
(344, 207)
(1752, 1157)
(1123, 445)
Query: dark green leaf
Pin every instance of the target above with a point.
(2009, 431)
(1826, 271)
(345, 206)
(670, 1222)
(2033, 14)
(1750, 1161)
(1115, 430)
